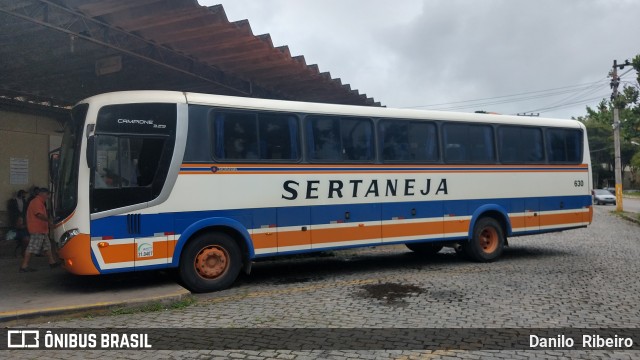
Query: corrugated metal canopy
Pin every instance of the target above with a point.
(60, 51)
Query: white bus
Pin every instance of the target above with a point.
(207, 184)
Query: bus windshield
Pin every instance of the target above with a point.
(66, 196)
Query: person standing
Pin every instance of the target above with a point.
(17, 209)
(38, 222)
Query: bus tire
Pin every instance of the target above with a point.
(487, 242)
(428, 249)
(210, 262)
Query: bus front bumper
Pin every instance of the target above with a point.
(76, 256)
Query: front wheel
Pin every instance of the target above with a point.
(210, 262)
(487, 242)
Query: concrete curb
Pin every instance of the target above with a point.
(629, 217)
(8, 317)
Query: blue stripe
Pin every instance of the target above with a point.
(178, 222)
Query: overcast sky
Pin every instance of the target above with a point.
(439, 54)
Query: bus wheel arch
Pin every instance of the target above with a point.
(212, 258)
(488, 237)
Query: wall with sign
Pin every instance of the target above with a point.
(25, 141)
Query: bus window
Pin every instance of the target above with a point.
(255, 136)
(126, 168)
(519, 144)
(236, 136)
(402, 140)
(338, 139)
(564, 145)
(357, 139)
(126, 161)
(468, 143)
(324, 139)
(278, 137)
(198, 147)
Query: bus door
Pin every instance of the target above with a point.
(345, 225)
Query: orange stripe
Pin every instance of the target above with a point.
(558, 219)
(294, 238)
(263, 241)
(275, 166)
(376, 232)
(115, 253)
(517, 222)
(372, 172)
(320, 236)
(412, 229)
(456, 226)
(382, 168)
(118, 253)
(171, 246)
(160, 251)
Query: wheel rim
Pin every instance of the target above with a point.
(488, 240)
(212, 262)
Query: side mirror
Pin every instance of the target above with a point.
(91, 152)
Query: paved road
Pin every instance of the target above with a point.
(586, 278)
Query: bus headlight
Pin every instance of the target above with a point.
(67, 236)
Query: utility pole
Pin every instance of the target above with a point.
(615, 81)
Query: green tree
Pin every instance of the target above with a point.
(635, 169)
(600, 132)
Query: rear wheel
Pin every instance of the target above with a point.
(210, 262)
(487, 242)
(425, 248)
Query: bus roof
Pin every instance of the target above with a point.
(124, 97)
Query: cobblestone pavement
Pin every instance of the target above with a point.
(586, 278)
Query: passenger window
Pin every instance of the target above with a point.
(468, 143)
(278, 137)
(255, 136)
(357, 139)
(324, 139)
(236, 136)
(518, 144)
(402, 140)
(338, 139)
(199, 139)
(564, 145)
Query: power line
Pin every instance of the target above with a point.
(586, 92)
(579, 98)
(566, 105)
(514, 100)
(504, 101)
(577, 94)
(563, 89)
